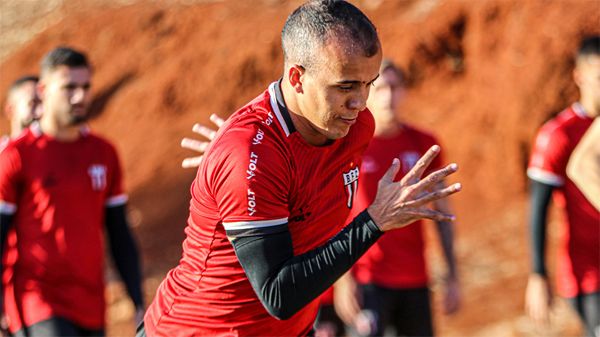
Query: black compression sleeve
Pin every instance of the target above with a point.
(286, 283)
(540, 200)
(124, 252)
(5, 223)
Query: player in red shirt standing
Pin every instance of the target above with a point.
(60, 186)
(266, 233)
(388, 286)
(578, 263)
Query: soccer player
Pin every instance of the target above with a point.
(391, 278)
(266, 233)
(578, 263)
(60, 186)
(22, 105)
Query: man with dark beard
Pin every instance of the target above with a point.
(59, 186)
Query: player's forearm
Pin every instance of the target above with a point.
(5, 223)
(539, 200)
(285, 283)
(124, 252)
(446, 233)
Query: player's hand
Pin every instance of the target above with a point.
(197, 145)
(3, 325)
(452, 297)
(538, 300)
(346, 301)
(398, 204)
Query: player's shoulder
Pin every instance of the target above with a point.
(562, 122)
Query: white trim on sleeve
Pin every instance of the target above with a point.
(116, 200)
(545, 177)
(253, 224)
(7, 208)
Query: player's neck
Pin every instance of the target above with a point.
(301, 123)
(52, 129)
(589, 107)
(388, 130)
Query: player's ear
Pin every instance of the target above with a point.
(40, 87)
(295, 74)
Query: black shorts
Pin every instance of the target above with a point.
(587, 307)
(328, 319)
(57, 327)
(406, 311)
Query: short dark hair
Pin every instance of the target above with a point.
(388, 64)
(63, 56)
(22, 80)
(590, 45)
(315, 22)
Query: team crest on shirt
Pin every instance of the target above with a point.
(97, 174)
(351, 184)
(409, 159)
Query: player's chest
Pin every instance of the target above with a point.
(66, 172)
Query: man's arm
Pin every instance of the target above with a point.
(5, 224)
(538, 296)
(285, 283)
(584, 164)
(446, 234)
(124, 252)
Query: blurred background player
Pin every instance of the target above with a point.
(388, 286)
(578, 263)
(60, 186)
(22, 105)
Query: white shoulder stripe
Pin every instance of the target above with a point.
(7, 208)
(275, 108)
(545, 177)
(254, 224)
(116, 200)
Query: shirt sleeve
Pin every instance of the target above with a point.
(251, 180)
(10, 171)
(115, 194)
(549, 157)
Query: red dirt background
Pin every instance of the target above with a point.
(484, 75)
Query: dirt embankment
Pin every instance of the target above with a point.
(484, 75)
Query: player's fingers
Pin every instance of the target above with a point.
(204, 131)
(217, 120)
(435, 195)
(193, 144)
(425, 213)
(435, 177)
(191, 162)
(417, 171)
(388, 177)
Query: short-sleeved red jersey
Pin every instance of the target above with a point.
(397, 259)
(57, 193)
(578, 258)
(258, 172)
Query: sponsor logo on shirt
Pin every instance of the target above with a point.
(97, 173)
(351, 184)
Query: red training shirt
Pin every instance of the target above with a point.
(57, 193)
(397, 259)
